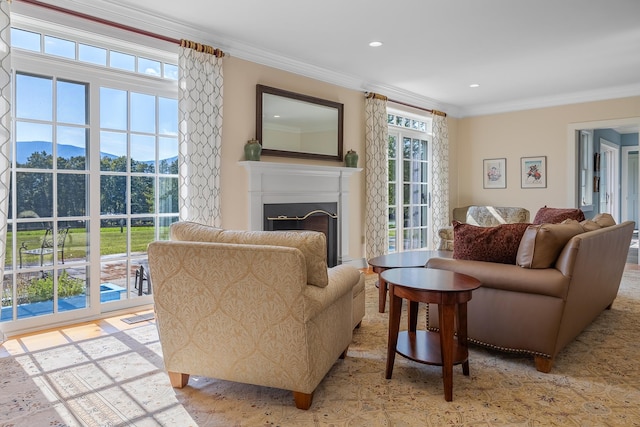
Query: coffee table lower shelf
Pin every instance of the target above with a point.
(424, 347)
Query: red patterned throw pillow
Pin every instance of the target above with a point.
(547, 215)
(491, 244)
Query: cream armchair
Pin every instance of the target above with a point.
(253, 307)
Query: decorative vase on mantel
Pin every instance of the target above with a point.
(351, 159)
(252, 150)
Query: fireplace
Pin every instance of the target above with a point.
(325, 187)
(320, 217)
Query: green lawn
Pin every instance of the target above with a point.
(113, 240)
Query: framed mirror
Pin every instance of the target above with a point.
(290, 124)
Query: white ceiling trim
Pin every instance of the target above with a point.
(553, 101)
(112, 10)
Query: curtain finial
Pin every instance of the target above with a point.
(438, 113)
(373, 95)
(199, 47)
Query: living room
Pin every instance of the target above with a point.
(535, 129)
(528, 130)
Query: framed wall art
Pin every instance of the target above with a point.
(495, 173)
(533, 171)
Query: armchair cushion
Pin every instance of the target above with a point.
(312, 244)
(492, 244)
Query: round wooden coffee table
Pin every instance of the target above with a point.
(400, 260)
(451, 291)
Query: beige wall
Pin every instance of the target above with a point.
(240, 79)
(540, 132)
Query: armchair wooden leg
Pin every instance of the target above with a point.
(303, 400)
(178, 380)
(543, 364)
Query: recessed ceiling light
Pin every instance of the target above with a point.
(474, 85)
(375, 44)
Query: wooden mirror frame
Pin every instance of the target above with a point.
(271, 149)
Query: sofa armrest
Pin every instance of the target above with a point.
(342, 279)
(509, 277)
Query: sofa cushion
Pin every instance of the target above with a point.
(312, 244)
(604, 220)
(492, 244)
(589, 225)
(557, 215)
(541, 244)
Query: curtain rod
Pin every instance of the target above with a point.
(101, 21)
(436, 112)
(375, 95)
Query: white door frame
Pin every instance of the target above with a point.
(613, 177)
(572, 149)
(626, 149)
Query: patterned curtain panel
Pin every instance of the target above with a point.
(200, 135)
(439, 176)
(377, 176)
(5, 129)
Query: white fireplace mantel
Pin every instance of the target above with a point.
(271, 182)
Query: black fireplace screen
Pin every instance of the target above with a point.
(320, 217)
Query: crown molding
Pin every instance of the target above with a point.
(113, 10)
(552, 101)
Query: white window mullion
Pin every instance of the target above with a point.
(403, 126)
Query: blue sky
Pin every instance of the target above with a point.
(34, 101)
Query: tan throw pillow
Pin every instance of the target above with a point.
(541, 244)
(604, 220)
(589, 225)
(490, 244)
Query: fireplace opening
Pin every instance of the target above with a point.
(320, 217)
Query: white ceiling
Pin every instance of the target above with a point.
(522, 53)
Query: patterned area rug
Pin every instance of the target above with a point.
(118, 380)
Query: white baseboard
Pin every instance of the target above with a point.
(357, 263)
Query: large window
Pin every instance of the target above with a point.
(408, 182)
(94, 174)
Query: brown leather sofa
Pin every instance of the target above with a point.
(539, 311)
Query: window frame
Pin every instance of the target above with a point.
(400, 132)
(95, 76)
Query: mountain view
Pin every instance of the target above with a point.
(26, 148)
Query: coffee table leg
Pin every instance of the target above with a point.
(382, 294)
(462, 335)
(446, 313)
(412, 316)
(395, 309)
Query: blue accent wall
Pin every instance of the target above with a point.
(629, 139)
